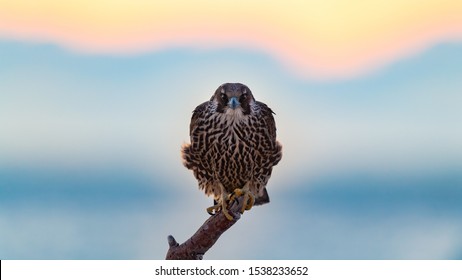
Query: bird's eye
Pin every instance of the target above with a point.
(224, 97)
(243, 97)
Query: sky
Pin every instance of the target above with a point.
(96, 99)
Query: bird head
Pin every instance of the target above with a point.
(233, 97)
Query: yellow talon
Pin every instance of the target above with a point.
(212, 210)
(226, 199)
(247, 202)
(222, 204)
(249, 198)
(250, 202)
(239, 192)
(227, 215)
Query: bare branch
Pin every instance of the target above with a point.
(195, 247)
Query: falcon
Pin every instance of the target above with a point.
(233, 148)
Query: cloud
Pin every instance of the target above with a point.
(328, 39)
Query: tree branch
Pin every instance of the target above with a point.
(195, 247)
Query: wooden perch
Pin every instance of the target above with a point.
(195, 247)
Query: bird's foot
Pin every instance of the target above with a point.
(247, 202)
(222, 205)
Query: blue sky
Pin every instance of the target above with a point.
(90, 165)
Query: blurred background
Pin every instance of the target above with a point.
(96, 99)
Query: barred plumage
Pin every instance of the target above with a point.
(233, 144)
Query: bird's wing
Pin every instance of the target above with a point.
(195, 116)
(267, 115)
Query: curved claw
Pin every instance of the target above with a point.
(248, 202)
(227, 215)
(221, 205)
(212, 210)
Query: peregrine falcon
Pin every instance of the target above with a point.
(233, 148)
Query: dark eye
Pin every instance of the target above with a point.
(243, 97)
(224, 97)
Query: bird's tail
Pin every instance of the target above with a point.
(263, 199)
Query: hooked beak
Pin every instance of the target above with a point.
(233, 103)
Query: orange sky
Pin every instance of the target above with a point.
(330, 38)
